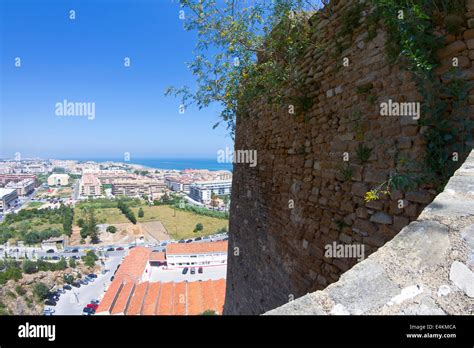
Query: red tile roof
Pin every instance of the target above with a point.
(179, 298)
(197, 248)
(195, 297)
(183, 298)
(151, 299)
(157, 256)
(138, 297)
(109, 297)
(134, 264)
(123, 299)
(165, 305)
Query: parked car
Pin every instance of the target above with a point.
(119, 248)
(193, 270)
(181, 241)
(74, 250)
(185, 270)
(112, 278)
(83, 281)
(55, 257)
(67, 287)
(88, 311)
(110, 249)
(206, 237)
(76, 284)
(131, 246)
(189, 241)
(48, 311)
(75, 257)
(92, 275)
(200, 270)
(95, 302)
(61, 291)
(49, 251)
(90, 280)
(163, 244)
(50, 302)
(198, 238)
(93, 306)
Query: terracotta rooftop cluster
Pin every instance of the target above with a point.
(128, 295)
(157, 298)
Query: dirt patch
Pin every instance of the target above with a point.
(155, 231)
(126, 233)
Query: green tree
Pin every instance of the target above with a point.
(68, 278)
(111, 229)
(232, 35)
(72, 263)
(226, 200)
(199, 227)
(92, 255)
(29, 267)
(61, 264)
(141, 213)
(213, 200)
(89, 261)
(41, 290)
(80, 222)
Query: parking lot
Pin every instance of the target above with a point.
(73, 301)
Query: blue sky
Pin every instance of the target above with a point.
(81, 60)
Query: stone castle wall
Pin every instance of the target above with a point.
(299, 198)
(426, 269)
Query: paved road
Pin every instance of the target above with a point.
(73, 301)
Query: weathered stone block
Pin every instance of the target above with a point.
(381, 218)
(364, 287)
(359, 189)
(462, 277)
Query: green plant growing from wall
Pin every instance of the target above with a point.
(413, 44)
(396, 181)
(363, 153)
(346, 172)
(351, 19)
(246, 52)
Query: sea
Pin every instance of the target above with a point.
(170, 163)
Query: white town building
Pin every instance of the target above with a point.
(180, 255)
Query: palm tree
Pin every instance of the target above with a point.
(226, 200)
(213, 200)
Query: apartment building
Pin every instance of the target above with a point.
(139, 187)
(90, 185)
(8, 197)
(23, 187)
(202, 191)
(58, 180)
(6, 178)
(179, 184)
(111, 176)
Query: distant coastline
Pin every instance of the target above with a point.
(165, 163)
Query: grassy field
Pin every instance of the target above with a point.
(33, 205)
(103, 216)
(183, 224)
(179, 226)
(37, 225)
